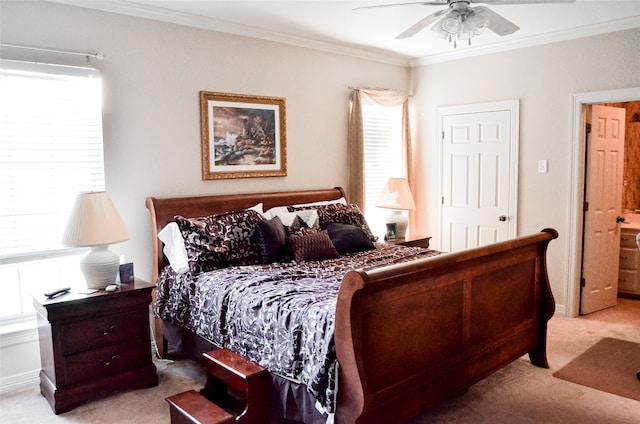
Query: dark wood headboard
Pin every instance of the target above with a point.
(163, 210)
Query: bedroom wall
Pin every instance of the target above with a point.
(152, 74)
(543, 78)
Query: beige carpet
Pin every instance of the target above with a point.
(518, 394)
(609, 365)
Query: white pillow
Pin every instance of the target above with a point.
(280, 209)
(309, 216)
(174, 248)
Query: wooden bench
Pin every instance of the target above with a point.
(236, 391)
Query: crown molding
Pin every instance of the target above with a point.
(537, 40)
(164, 15)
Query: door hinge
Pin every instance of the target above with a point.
(588, 128)
(583, 282)
(442, 135)
(585, 207)
(442, 200)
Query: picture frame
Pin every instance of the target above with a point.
(242, 136)
(391, 233)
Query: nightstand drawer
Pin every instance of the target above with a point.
(108, 361)
(101, 331)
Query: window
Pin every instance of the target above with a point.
(384, 157)
(50, 149)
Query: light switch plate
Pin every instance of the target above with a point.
(542, 166)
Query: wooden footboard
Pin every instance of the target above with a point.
(410, 336)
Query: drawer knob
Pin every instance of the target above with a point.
(107, 331)
(109, 362)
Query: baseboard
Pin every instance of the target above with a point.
(15, 382)
(561, 310)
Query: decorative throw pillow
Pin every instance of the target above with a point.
(271, 239)
(220, 240)
(311, 245)
(309, 216)
(344, 214)
(348, 238)
(174, 248)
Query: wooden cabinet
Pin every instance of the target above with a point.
(629, 268)
(94, 344)
(412, 241)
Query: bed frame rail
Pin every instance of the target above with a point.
(409, 336)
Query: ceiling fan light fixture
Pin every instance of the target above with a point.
(452, 22)
(460, 24)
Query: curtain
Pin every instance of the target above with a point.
(355, 159)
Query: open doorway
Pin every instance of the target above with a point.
(580, 103)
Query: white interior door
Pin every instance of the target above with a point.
(479, 174)
(603, 197)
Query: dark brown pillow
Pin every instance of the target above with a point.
(311, 245)
(338, 212)
(348, 238)
(271, 238)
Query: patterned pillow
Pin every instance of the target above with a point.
(341, 213)
(311, 245)
(271, 239)
(348, 238)
(220, 240)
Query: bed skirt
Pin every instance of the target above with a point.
(289, 402)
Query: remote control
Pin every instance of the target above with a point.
(57, 292)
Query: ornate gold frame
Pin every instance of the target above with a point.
(266, 158)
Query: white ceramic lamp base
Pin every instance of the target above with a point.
(398, 217)
(100, 267)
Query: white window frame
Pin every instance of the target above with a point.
(48, 153)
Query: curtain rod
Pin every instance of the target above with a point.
(97, 55)
(350, 87)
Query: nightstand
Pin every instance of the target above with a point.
(94, 344)
(412, 241)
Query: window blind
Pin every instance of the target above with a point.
(50, 149)
(384, 156)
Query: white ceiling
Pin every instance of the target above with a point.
(335, 26)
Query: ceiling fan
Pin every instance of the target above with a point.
(460, 21)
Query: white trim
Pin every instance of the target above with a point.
(164, 15)
(21, 381)
(576, 178)
(17, 334)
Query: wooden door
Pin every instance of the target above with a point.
(479, 175)
(603, 203)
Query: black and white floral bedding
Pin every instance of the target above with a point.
(280, 315)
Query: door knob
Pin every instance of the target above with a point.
(620, 219)
(502, 218)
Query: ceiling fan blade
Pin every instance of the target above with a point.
(505, 2)
(422, 24)
(414, 3)
(498, 24)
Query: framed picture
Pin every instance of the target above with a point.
(242, 136)
(391, 231)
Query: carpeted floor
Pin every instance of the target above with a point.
(519, 393)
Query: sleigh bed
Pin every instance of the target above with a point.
(396, 339)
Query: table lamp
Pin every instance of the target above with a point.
(396, 195)
(94, 222)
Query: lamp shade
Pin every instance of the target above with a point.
(396, 195)
(94, 221)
